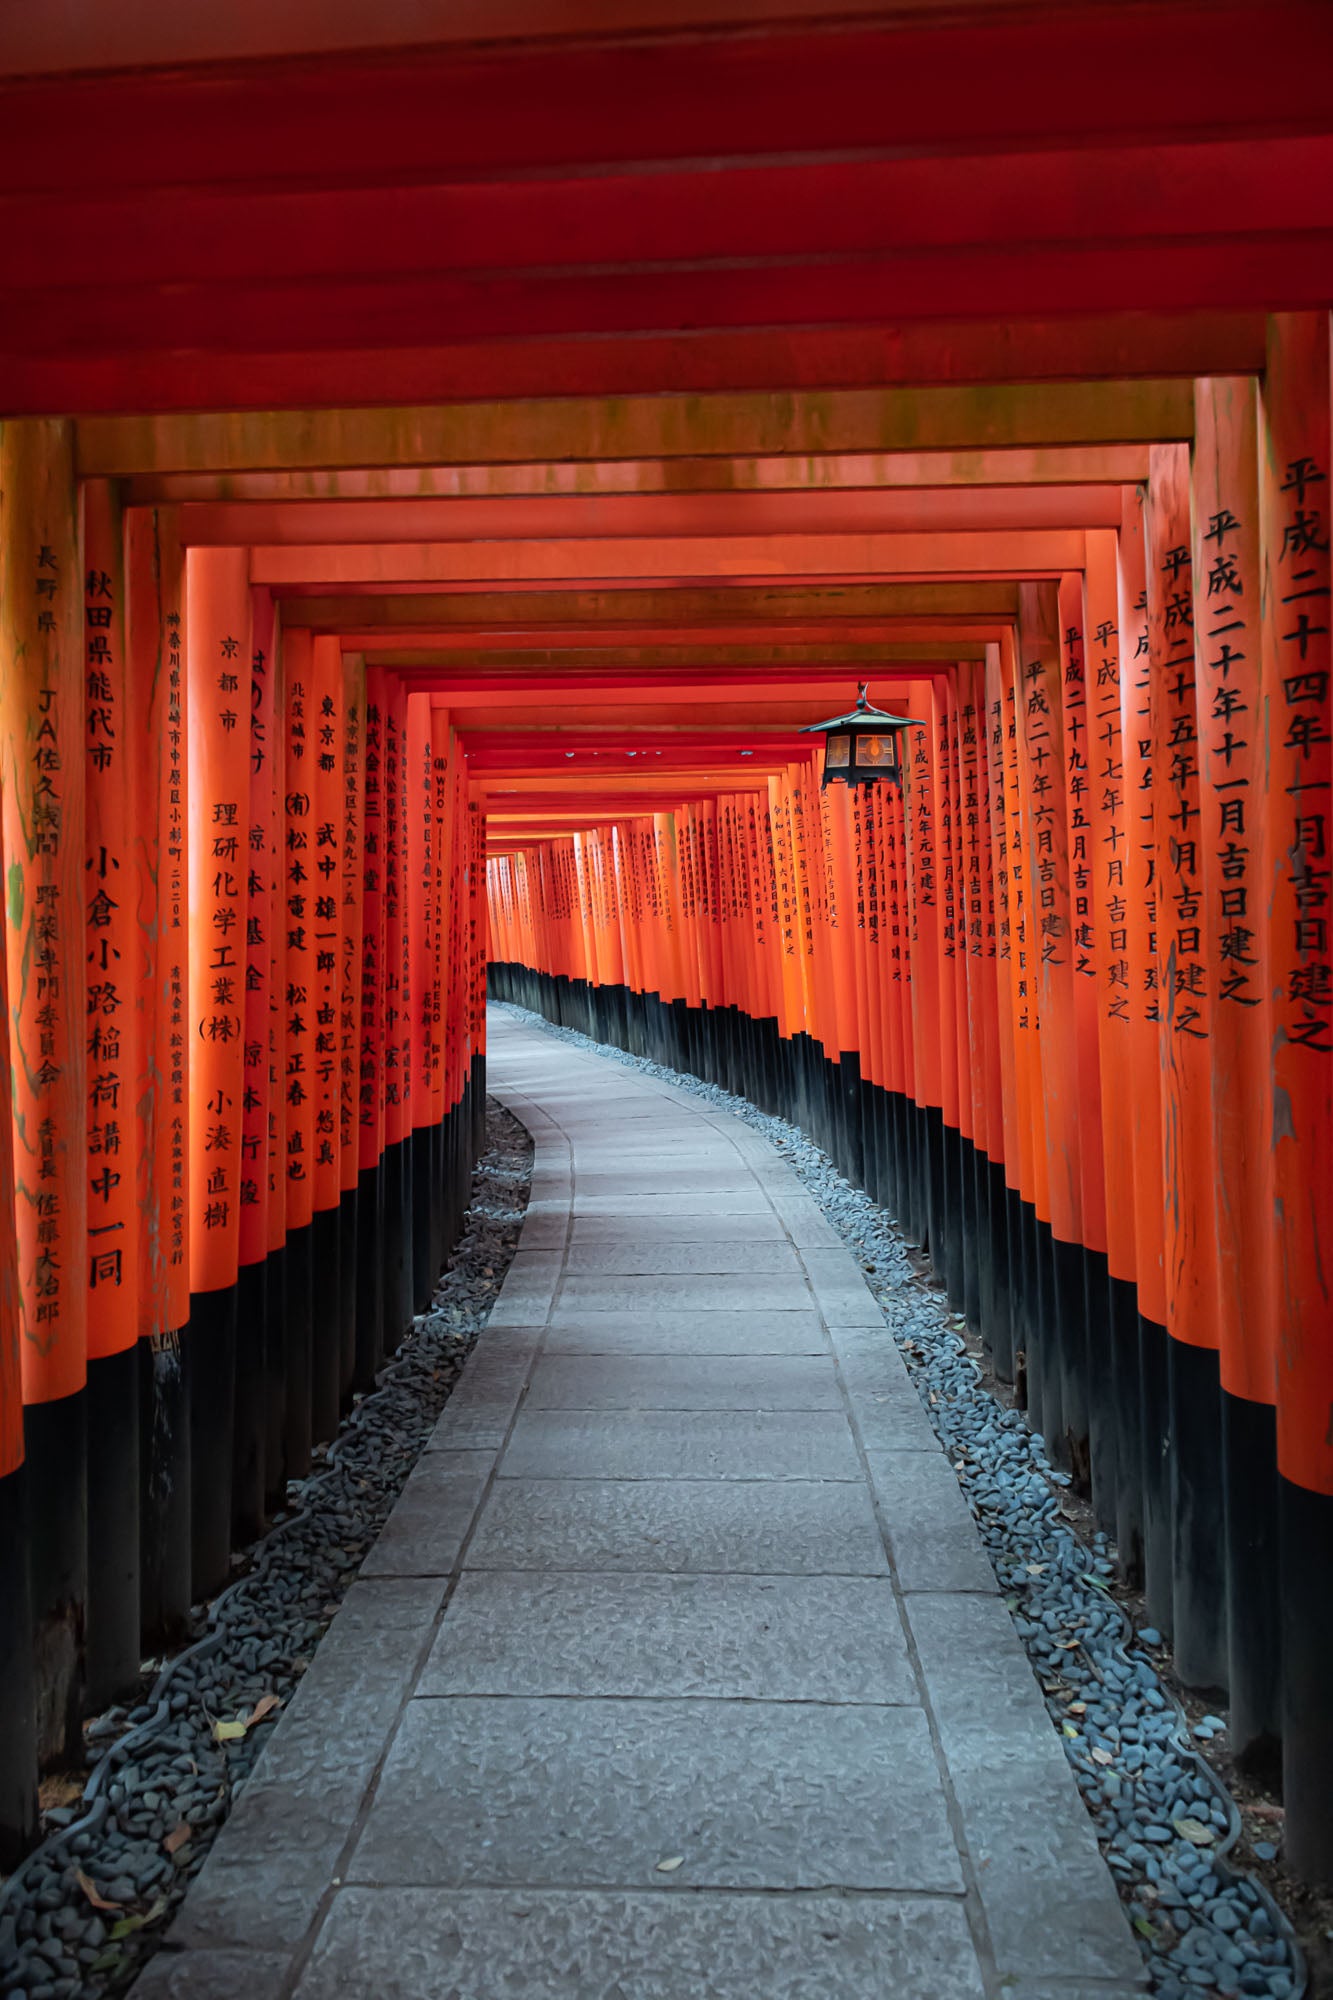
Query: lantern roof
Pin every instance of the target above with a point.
(864, 714)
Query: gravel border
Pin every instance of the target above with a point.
(1164, 1819)
(167, 1769)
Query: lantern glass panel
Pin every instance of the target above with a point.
(877, 753)
(837, 753)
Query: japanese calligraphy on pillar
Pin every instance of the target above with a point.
(353, 886)
(42, 790)
(218, 656)
(1186, 998)
(261, 836)
(370, 1080)
(326, 865)
(299, 880)
(1233, 783)
(114, 1139)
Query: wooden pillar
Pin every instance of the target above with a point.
(117, 1130)
(349, 1003)
(1142, 914)
(18, 1739)
(259, 1287)
(1186, 1002)
(42, 789)
(1227, 620)
(218, 650)
(325, 862)
(1297, 875)
(298, 997)
(156, 706)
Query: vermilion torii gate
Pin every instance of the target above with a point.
(411, 454)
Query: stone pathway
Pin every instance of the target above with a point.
(678, 1672)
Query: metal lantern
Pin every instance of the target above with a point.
(864, 745)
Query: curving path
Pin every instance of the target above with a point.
(678, 1672)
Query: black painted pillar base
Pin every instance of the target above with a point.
(298, 1318)
(1254, 1583)
(396, 1248)
(1099, 1389)
(55, 1453)
(326, 1325)
(212, 1404)
(424, 1201)
(1069, 1332)
(165, 1539)
(1127, 1389)
(1155, 1407)
(18, 1717)
(275, 1378)
(847, 1072)
(369, 1282)
(1198, 1517)
(1043, 1358)
(999, 1306)
(969, 1231)
(113, 1528)
(249, 1442)
(1306, 1522)
(348, 1230)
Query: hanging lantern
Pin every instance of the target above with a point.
(864, 745)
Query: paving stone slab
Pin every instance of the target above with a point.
(789, 1527)
(479, 1944)
(933, 1539)
(754, 1795)
(1060, 1989)
(636, 1255)
(668, 1179)
(886, 1410)
(212, 1975)
(665, 1382)
(264, 1880)
(673, 1444)
(840, 1289)
(759, 1227)
(685, 1334)
(748, 1199)
(803, 1222)
(431, 1516)
(1049, 1901)
(727, 1292)
(743, 1638)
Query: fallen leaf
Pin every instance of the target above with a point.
(1144, 1928)
(94, 1894)
(1036, 1569)
(178, 1836)
(1069, 1729)
(128, 1925)
(1100, 1756)
(228, 1732)
(1078, 1708)
(1195, 1830)
(59, 1791)
(264, 1706)
(671, 1864)
(1267, 1812)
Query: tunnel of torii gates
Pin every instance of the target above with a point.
(432, 503)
